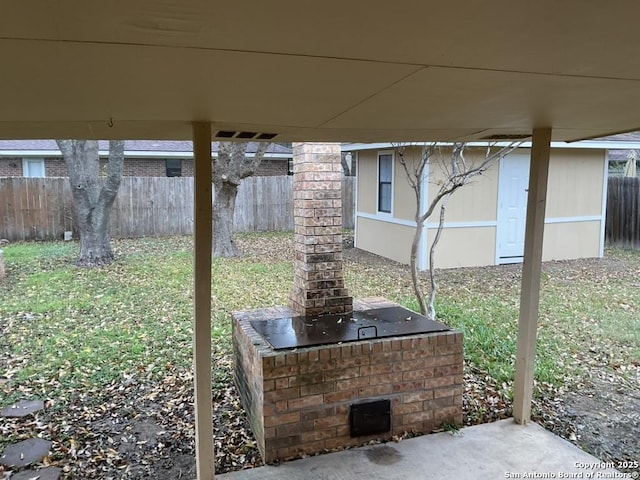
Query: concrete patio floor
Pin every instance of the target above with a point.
(496, 450)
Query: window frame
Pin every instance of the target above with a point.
(171, 171)
(26, 169)
(381, 209)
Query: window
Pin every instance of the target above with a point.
(33, 167)
(174, 167)
(385, 186)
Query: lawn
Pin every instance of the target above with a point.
(110, 349)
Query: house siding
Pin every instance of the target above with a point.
(389, 240)
(571, 240)
(465, 247)
(367, 182)
(574, 212)
(576, 179)
(477, 201)
(404, 196)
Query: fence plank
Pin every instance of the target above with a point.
(8, 224)
(623, 212)
(42, 208)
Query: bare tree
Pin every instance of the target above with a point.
(457, 171)
(93, 196)
(630, 169)
(229, 168)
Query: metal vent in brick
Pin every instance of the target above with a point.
(370, 418)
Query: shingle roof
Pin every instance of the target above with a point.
(623, 137)
(621, 155)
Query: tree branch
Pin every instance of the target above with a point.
(432, 275)
(65, 147)
(114, 173)
(458, 172)
(251, 164)
(233, 164)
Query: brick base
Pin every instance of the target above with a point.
(298, 400)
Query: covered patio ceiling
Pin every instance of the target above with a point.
(315, 71)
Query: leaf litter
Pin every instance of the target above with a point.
(130, 415)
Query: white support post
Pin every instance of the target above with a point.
(530, 289)
(202, 299)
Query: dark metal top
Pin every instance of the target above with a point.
(293, 332)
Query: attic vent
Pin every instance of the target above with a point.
(225, 134)
(244, 135)
(507, 136)
(267, 136)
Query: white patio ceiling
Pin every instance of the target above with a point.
(330, 70)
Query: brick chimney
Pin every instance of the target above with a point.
(317, 208)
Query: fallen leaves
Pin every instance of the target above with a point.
(110, 350)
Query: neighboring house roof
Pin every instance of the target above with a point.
(624, 144)
(618, 147)
(133, 148)
(628, 137)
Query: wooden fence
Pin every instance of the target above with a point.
(623, 211)
(41, 208)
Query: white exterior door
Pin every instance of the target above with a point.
(512, 207)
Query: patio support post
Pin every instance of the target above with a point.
(530, 289)
(202, 299)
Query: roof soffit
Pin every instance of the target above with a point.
(409, 70)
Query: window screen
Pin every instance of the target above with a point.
(385, 175)
(33, 167)
(174, 167)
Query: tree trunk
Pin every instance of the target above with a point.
(432, 263)
(224, 205)
(415, 277)
(92, 197)
(229, 168)
(95, 244)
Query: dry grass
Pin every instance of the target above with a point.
(110, 350)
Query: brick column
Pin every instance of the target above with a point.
(317, 208)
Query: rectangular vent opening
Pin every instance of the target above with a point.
(370, 418)
(225, 134)
(267, 136)
(246, 135)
